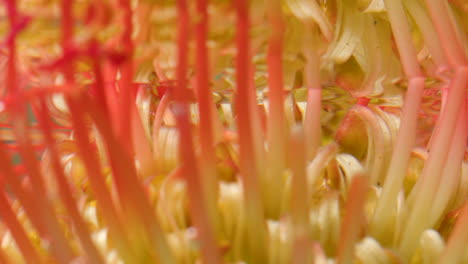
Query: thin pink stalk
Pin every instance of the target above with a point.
(110, 76)
(11, 80)
(256, 228)
(60, 248)
(126, 95)
(85, 149)
(210, 253)
(385, 211)
(24, 244)
(97, 182)
(418, 218)
(98, 86)
(451, 175)
(299, 200)
(23, 196)
(276, 119)
(65, 190)
(206, 107)
(451, 44)
(258, 119)
(402, 34)
(312, 123)
(140, 217)
(431, 40)
(353, 219)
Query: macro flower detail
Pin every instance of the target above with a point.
(278, 131)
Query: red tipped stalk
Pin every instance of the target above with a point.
(312, 123)
(205, 108)
(416, 9)
(126, 95)
(402, 34)
(20, 236)
(23, 196)
(274, 179)
(254, 212)
(384, 213)
(210, 254)
(65, 190)
(419, 216)
(46, 220)
(86, 150)
(452, 174)
(145, 232)
(97, 182)
(405, 140)
(353, 219)
(444, 25)
(299, 201)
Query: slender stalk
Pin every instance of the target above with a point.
(65, 190)
(205, 107)
(210, 254)
(142, 221)
(85, 149)
(276, 120)
(299, 202)
(402, 34)
(424, 23)
(418, 218)
(256, 228)
(385, 211)
(447, 190)
(126, 95)
(384, 214)
(24, 244)
(444, 26)
(23, 196)
(60, 248)
(353, 219)
(97, 182)
(312, 123)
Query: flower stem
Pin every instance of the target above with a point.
(276, 119)
(199, 210)
(85, 149)
(24, 244)
(353, 219)
(424, 23)
(443, 23)
(418, 218)
(312, 123)
(299, 205)
(383, 217)
(65, 190)
(447, 190)
(206, 107)
(256, 229)
(402, 34)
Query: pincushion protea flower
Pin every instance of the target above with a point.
(234, 131)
